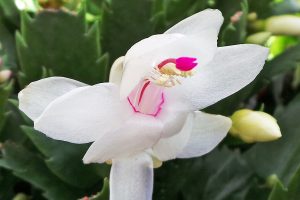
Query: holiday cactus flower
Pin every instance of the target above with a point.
(149, 110)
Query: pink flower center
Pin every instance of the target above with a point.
(148, 96)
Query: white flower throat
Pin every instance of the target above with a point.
(148, 96)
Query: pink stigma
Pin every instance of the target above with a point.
(182, 63)
(186, 63)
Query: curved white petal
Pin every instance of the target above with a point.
(140, 132)
(116, 71)
(37, 95)
(168, 148)
(132, 178)
(232, 68)
(150, 45)
(172, 116)
(141, 59)
(84, 114)
(207, 132)
(193, 25)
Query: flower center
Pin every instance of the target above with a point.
(148, 96)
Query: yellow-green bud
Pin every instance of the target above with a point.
(258, 38)
(21, 196)
(272, 180)
(283, 25)
(252, 16)
(254, 126)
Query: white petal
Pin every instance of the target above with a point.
(139, 133)
(168, 148)
(208, 131)
(141, 59)
(173, 114)
(232, 68)
(37, 95)
(131, 178)
(149, 45)
(172, 120)
(207, 19)
(116, 71)
(84, 114)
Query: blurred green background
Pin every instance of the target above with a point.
(80, 40)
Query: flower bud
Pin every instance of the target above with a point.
(259, 38)
(236, 17)
(5, 75)
(272, 180)
(21, 196)
(254, 126)
(252, 16)
(283, 25)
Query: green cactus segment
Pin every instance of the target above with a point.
(292, 192)
(65, 160)
(266, 158)
(62, 44)
(30, 167)
(10, 12)
(5, 91)
(103, 194)
(119, 35)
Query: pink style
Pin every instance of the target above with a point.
(147, 98)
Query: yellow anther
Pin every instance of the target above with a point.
(170, 69)
(109, 162)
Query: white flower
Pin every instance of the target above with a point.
(150, 108)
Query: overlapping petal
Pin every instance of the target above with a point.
(168, 148)
(137, 134)
(200, 134)
(132, 178)
(173, 115)
(199, 43)
(37, 95)
(208, 131)
(232, 68)
(84, 114)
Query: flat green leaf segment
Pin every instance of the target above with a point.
(281, 157)
(292, 192)
(118, 36)
(64, 160)
(5, 91)
(32, 168)
(222, 175)
(103, 194)
(62, 44)
(59, 173)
